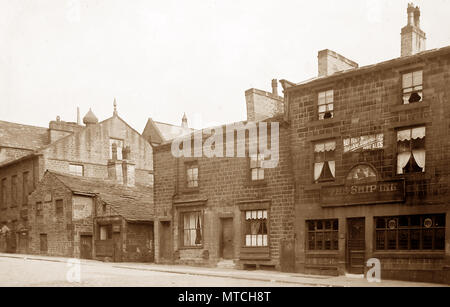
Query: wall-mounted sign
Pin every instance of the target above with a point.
(363, 187)
(365, 142)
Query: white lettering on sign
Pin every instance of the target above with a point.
(366, 142)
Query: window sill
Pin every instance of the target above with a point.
(413, 176)
(257, 183)
(411, 106)
(410, 254)
(190, 247)
(323, 253)
(320, 122)
(319, 185)
(191, 190)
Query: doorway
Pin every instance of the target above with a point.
(356, 245)
(86, 246)
(227, 247)
(165, 241)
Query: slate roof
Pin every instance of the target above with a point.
(22, 136)
(159, 132)
(132, 203)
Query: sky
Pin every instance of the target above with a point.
(160, 59)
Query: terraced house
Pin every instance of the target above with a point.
(222, 210)
(371, 159)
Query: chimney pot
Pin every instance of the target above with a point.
(275, 87)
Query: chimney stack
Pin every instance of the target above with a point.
(275, 87)
(78, 116)
(331, 62)
(128, 168)
(115, 171)
(413, 38)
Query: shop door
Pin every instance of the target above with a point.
(227, 238)
(356, 245)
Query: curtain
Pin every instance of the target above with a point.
(419, 157)
(402, 160)
(318, 167)
(332, 166)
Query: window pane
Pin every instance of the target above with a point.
(319, 240)
(439, 239)
(403, 236)
(407, 80)
(427, 238)
(415, 239)
(311, 240)
(392, 239)
(417, 77)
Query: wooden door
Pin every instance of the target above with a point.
(165, 241)
(86, 246)
(227, 238)
(356, 245)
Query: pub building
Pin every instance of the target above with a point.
(371, 158)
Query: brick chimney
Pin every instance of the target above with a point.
(275, 87)
(413, 38)
(128, 168)
(331, 62)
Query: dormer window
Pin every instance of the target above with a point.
(412, 87)
(325, 104)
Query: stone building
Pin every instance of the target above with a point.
(88, 218)
(64, 147)
(225, 210)
(371, 159)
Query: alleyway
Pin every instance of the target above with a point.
(21, 270)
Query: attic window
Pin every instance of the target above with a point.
(412, 87)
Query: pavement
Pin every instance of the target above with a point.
(37, 270)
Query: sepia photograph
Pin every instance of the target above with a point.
(225, 150)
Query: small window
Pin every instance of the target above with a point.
(39, 209)
(412, 87)
(4, 195)
(325, 104)
(257, 172)
(77, 170)
(115, 154)
(411, 150)
(14, 191)
(256, 232)
(324, 161)
(192, 175)
(59, 207)
(191, 230)
(323, 234)
(105, 232)
(25, 187)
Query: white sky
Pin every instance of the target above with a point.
(163, 58)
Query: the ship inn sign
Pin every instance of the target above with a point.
(362, 187)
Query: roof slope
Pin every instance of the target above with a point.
(158, 132)
(133, 204)
(22, 136)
